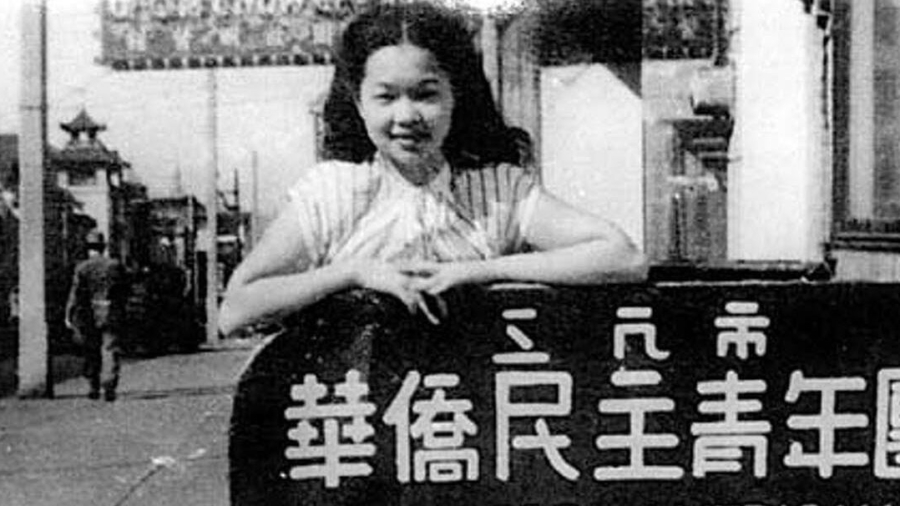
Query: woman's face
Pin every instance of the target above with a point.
(406, 102)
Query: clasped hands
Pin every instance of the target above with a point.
(418, 285)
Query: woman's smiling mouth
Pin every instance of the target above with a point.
(410, 139)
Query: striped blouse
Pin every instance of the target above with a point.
(369, 210)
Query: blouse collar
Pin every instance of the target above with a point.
(440, 185)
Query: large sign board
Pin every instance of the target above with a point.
(760, 394)
(160, 34)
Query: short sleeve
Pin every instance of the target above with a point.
(510, 193)
(529, 191)
(307, 204)
(323, 203)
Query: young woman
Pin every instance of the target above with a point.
(422, 192)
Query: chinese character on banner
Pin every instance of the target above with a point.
(330, 437)
(442, 425)
(717, 448)
(827, 422)
(637, 441)
(887, 425)
(741, 330)
(507, 381)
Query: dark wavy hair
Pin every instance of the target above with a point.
(478, 136)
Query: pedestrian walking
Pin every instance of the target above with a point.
(95, 311)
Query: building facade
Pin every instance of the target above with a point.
(754, 135)
(103, 183)
(866, 76)
(65, 226)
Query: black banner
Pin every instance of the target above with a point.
(732, 394)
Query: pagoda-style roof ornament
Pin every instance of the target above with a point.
(83, 123)
(85, 153)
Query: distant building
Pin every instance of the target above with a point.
(87, 186)
(65, 226)
(171, 238)
(103, 183)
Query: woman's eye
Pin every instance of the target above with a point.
(426, 95)
(384, 97)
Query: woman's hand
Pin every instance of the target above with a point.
(395, 280)
(431, 279)
(435, 278)
(387, 278)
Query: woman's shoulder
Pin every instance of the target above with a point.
(335, 174)
(336, 169)
(514, 170)
(497, 169)
(503, 180)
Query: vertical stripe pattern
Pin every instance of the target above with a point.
(351, 211)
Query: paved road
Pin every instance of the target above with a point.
(164, 442)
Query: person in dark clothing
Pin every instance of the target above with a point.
(95, 311)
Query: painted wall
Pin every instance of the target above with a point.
(778, 177)
(591, 141)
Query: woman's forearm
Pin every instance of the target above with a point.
(597, 261)
(591, 262)
(276, 296)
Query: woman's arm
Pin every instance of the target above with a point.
(273, 280)
(573, 247)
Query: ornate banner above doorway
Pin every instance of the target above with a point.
(165, 34)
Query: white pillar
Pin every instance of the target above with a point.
(212, 175)
(592, 143)
(33, 343)
(775, 179)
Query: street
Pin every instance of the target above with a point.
(164, 441)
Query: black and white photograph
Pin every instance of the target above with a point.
(450, 252)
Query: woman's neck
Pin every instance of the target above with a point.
(421, 173)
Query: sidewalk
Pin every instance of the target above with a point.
(164, 441)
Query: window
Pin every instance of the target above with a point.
(82, 178)
(867, 120)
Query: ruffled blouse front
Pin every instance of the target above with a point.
(370, 211)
